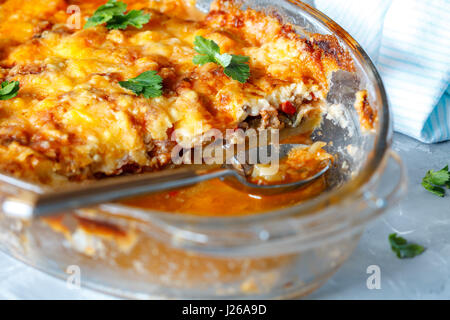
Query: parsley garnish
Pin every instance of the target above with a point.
(434, 181)
(402, 248)
(9, 90)
(149, 84)
(235, 66)
(113, 14)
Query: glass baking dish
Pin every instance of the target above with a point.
(136, 253)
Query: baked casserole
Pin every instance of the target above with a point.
(75, 118)
(95, 89)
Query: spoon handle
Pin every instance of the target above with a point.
(106, 190)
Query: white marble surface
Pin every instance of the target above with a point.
(420, 217)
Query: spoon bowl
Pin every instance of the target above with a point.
(243, 166)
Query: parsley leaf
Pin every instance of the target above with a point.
(113, 14)
(135, 18)
(439, 191)
(403, 249)
(148, 83)
(238, 70)
(435, 180)
(235, 66)
(439, 177)
(9, 90)
(105, 13)
(210, 52)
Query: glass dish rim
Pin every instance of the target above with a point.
(350, 189)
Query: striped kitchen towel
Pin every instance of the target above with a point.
(409, 41)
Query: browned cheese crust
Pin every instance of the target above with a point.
(72, 120)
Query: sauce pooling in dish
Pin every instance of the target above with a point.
(216, 198)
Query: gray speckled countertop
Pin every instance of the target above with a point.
(420, 217)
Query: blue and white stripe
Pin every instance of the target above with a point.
(409, 40)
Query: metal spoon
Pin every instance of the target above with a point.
(37, 204)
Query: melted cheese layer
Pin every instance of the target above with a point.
(73, 120)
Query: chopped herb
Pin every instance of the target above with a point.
(9, 90)
(439, 191)
(235, 66)
(113, 14)
(135, 18)
(209, 52)
(434, 181)
(238, 69)
(403, 249)
(148, 84)
(105, 13)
